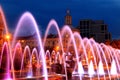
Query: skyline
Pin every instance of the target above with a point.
(44, 11)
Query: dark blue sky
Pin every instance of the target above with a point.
(45, 10)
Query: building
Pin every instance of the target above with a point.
(94, 29)
(68, 21)
(68, 18)
(66, 36)
(30, 41)
(52, 43)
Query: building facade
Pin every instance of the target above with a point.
(97, 30)
(52, 43)
(30, 41)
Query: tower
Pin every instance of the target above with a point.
(68, 18)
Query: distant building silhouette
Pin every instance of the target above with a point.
(97, 30)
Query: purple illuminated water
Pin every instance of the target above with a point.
(90, 58)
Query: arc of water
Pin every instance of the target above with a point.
(53, 22)
(23, 57)
(115, 56)
(107, 52)
(100, 61)
(18, 45)
(58, 57)
(7, 65)
(66, 28)
(4, 19)
(7, 32)
(88, 44)
(5, 44)
(34, 52)
(42, 53)
(113, 63)
(105, 60)
(83, 47)
(111, 53)
(47, 54)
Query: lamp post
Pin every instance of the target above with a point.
(57, 48)
(7, 37)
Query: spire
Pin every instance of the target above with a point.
(68, 12)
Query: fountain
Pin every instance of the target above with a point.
(87, 60)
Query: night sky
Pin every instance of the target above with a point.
(45, 10)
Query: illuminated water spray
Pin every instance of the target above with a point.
(101, 69)
(113, 70)
(37, 62)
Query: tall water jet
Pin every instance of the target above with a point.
(100, 69)
(27, 16)
(91, 71)
(80, 69)
(113, 70)
(25, 58)
(83, 50)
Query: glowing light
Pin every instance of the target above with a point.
(7, 36)
(29, 76)
(8, 79)
(57, 48)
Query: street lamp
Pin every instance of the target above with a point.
(7, 37)
(57, 48)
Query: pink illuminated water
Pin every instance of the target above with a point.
(80, 68)
(91, 71)
(113, 70)
(101, 69)
(96, 60)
